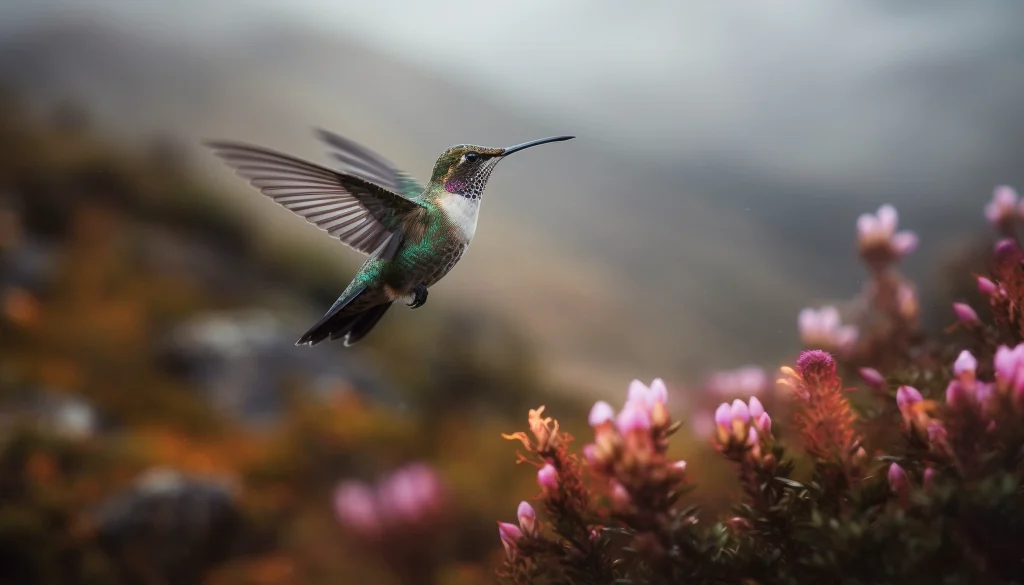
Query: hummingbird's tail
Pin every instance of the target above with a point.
(352, 325)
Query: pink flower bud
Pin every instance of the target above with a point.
(510, 535)
(903, 243)
(764, 423)
(965, 314)
(658, 392)
(527, 517)
(907, 396)
(956, 395)
(601, 413)
(590, 455)
(634, 417)
(986, 286)
(752, 438)
(1005, 249)
(740, 411)
(638, 393)
(898, 479)
(547, 477)
(679, 466)
(755, 407)
(873, 377)
(723, 416)
(965, 366)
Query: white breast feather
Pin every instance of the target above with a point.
(463, 212)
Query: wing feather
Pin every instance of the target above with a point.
(362, 214)
(367, 164)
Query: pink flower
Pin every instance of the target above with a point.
(740, 412)
(823, 328)
(965, 314)
(723, 416)
(547, 477)
(956, 395)
(906, 398)
(1002, 209)
(510, 535)
(601, 413)
(755, 407)
(877, 235)
(634, 417)
(1006, 249)
(898, 479)
(965, 366)
(816, 364)
(356, 507)
(873, 377)
(589, 455)
(657, 392)
(752, 437)
(527, 517)
(679, 466)
(764, 423)
(986, 286)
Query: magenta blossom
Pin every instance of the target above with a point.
(355, 505)
(873, 377)
(601, 413)
(547, 477)
(527, 518)
(965, 314)
(987, 287)
(906, 398)
(898, 480)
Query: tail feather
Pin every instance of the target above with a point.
(353, 325)
(362, 325)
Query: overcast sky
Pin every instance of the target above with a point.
(768, 84)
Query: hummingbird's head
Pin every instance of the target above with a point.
(464, 169)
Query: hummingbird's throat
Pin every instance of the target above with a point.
(456, 186)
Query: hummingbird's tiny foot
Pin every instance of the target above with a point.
(419, 296)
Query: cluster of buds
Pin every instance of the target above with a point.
(409, 500)
(900, 484)
(823, 328)
(511, 534)
(1004, 210)
(879, 243)
(967, 392)
(744, 432)
(629, 448)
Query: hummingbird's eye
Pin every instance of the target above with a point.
(472, 157)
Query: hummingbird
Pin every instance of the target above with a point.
(413, 235)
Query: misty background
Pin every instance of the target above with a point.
(724, 149)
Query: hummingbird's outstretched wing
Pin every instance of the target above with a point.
(367, 164)
(363, 215)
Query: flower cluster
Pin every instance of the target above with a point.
(1004, 210)
(744, 431)
(823, 328)
(400, 519)
(879, 243)
(940, 492)
(410, 498)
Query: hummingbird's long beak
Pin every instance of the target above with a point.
(525, 145)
